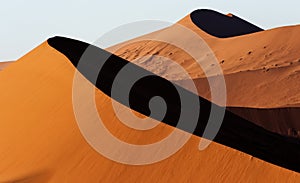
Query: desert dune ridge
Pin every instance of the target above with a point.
(271, 54)
(50, 148)
(43, 143)
(149, 87)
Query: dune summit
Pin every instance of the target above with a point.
(260, 70)
(222, 26)
(41, 141)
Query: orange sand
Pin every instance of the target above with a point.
(40, 140)
(262, 70)
(3, 65)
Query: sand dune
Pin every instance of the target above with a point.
(256, 55)
(43, 142)
(216, 24)
(235, 131)
(261, 69)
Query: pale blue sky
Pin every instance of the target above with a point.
(27, 23)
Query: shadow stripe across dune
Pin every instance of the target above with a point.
(235, 131)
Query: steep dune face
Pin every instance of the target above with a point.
(281, 120)
(41, 142)
(263, 54)
(235, 131)
(221, 26)
(284, 121)
(261, 69)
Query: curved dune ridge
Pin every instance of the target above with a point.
(43, 142)
(263, 54)
(261, 69)
(222, 26)
(235, 131)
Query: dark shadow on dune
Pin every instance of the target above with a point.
(283, 121)
(235, 131)
(220, 25)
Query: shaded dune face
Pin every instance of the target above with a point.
(254, 64)
(284, 121)
(222, 26)
(235, 132)
(261, 70)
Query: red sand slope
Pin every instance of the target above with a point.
(261, 70)
(253, 60)
(42, 143)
